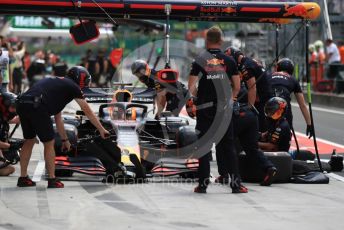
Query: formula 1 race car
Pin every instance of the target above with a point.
(139, 145)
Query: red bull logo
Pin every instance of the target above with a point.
(215, 61)
(229, 10)
(299, 11)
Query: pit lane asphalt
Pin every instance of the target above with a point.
(167, 204)
(328, 121)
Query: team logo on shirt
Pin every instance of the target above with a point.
(215, 65)
(215, 61)
(215, 76)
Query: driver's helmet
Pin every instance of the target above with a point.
(80, 76)
(275, 108)
(122, 95)
(7, 106)
(141, 69)
(285, 65)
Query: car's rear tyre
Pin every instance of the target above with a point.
(186, 135)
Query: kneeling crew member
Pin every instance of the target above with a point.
(46, 98)
(278, 136)
(7, 113)
(169, 95)
(209, 68)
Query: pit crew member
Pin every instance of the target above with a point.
(257, 80)
(7, 115)
(169, 95)
(283, 85)
(278, 136)
(210, 66)
(46, 98)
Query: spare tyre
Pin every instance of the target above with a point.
(251, 172)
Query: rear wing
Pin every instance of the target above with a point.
(105, 95)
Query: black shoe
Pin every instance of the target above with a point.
(269, 176)
(25, 182)
(240, 189)
(222, 180)
(200, 189)
(55, 183)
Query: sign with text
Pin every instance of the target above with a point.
(24, 22)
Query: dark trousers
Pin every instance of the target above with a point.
(227, 158)
(333, 70)
(246, 129)
(17, 80)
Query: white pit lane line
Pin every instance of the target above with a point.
(316, 108)
(37, 175)
(322, 140)
(335, 176)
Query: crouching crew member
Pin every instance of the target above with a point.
(283, 85)
(46, 98)
(7, 115)
(257, 81)
(171, 94)
(209, 68)
(246, 130)
(278, 136)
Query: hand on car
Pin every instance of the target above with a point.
(66, 146)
